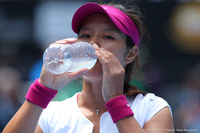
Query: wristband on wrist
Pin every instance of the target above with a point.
(119, 108)
(39, 94)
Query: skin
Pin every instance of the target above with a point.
(101, 83)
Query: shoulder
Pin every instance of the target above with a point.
(146, 106)
(149, 99)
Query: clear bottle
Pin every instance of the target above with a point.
(59, 58)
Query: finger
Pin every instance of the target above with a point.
(66, 41)
(96, 47)
(100, 57)
(104, 55)
(99, 54)
(104, 60)
(78, 74)
(108, 60)
(51, 44)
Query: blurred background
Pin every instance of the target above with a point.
(171, 62)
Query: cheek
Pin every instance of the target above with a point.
(117, 48)
(120, 55)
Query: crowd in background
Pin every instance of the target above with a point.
(171, 65)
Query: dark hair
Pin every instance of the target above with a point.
(136, 16)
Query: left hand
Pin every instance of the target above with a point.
(113, 74)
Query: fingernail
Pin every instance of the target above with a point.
(95, 46)
(97, 53)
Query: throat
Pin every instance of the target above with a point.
(91, 103)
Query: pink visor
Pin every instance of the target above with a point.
(119, 18)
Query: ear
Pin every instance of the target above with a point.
(132, 53)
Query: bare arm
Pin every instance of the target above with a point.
(129, 125)
(38, 129)
(25, 120)
(113, 85)
(161, 122)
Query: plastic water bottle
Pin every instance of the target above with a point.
(59, 58)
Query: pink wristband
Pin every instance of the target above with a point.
(119, 108)
(39, 94)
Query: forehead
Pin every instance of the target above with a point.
(99, 19)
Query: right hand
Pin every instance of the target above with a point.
(57, 81)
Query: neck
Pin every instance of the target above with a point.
(92, 87)
(93, 99)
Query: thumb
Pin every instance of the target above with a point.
(78, 74)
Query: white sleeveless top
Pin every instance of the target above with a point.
(66, 117)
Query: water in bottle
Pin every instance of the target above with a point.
(59, 58)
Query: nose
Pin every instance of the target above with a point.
(94, 40)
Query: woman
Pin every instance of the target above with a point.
(101, 106)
